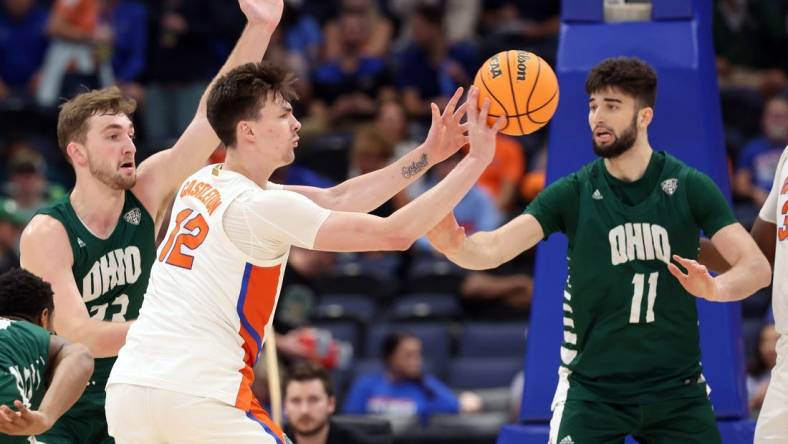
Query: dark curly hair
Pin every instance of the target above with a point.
(24, 295)
(241, 94)
(630, 75)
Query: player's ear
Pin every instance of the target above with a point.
(645, 115)
(45, 320)
(77, 153)
(245, 131)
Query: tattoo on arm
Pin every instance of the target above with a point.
(415, 167)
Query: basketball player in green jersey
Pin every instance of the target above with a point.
(96, 246)
(41, 375)
(630, 359)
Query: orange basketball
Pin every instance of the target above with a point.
(522, 87)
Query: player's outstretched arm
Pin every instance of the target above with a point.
(369, 191)
(46, 252)
(343, 231)
(485, 249)
(762, 232)
(749, 272)
(71, 366)
(163, 172)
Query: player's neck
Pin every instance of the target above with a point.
(249, 164)
(318, 438)
(98, 206)
(631, 165)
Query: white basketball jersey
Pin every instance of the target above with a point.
(775, 210)
(202, 323)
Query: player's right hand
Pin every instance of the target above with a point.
(448, 235)
(24, 422)
(481, 135)
(263, 12)
(697, 281)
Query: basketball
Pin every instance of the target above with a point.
(522, 87)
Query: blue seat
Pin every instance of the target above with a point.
(482, 373)
(343, 330)
(357, 306)
(426, 306)
(355, 281)
(487, 339)
(376, 365)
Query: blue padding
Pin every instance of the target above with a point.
(733, 432)
(688, 124)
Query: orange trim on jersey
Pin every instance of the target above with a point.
(258, 412)
(255, 307)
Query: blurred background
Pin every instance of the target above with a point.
(367, 71)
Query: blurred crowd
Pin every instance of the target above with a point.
(367, 71)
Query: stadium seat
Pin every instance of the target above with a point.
(343, 330)
(426, 306)
(479, 373)
(356, 306)
(355, 282)
(486, 339)
(434, 276)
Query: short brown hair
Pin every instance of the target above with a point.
(241, 94)
(72, 122)
(631, 75)
(308, 371)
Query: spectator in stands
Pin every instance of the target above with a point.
(740, 26)
(27, 183)
(404, 390)
(11, 223)
(381, 31)
(22, 46)
(502, 178)
(183, 36)
(347, 85)
(431, 68)
(460, 16)
(73, 28)
(760, 370)
(309, 403)
(530, 25)
(125, 28)
(758, 160)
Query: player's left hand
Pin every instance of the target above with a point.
(447, 132)
(24, 422)
(697, 281)
(263, 12)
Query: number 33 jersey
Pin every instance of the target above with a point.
(214, 286)
(630, 329)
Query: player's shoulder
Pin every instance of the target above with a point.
(45, 227)
(44, 240)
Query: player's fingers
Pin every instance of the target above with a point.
(473, 104)
(457, 116)
(465, 127)
(677, 273)
(7, 415)
(500, 123)
(436, 115)
(684, 261)
(449, 110)
(22, 408)
(485, 110)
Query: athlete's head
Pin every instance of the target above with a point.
(621, 95)
(402, 355)
(95, 132)
(250, 106)
(309, 398)
(25, 296)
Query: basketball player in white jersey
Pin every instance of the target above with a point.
(185, 372)
(770, 231)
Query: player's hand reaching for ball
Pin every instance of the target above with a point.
(481, 135)
(447, 134)
(262, 12)
(697, 281)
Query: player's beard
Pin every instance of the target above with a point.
(309, 432)
(116, 180)
(620, 144)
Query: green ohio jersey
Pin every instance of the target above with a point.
(111, 274)
(24, 354)
(630, 328)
